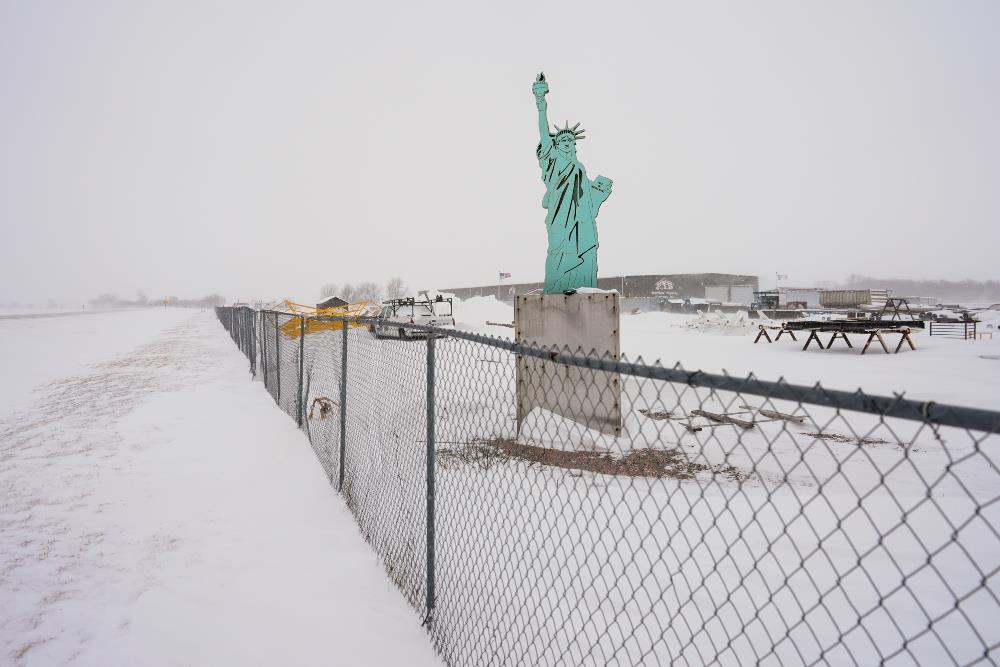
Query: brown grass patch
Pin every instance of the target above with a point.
(646, 462)
(848, 439)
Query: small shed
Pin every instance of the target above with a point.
(331, 302)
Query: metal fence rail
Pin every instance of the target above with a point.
(736, 521)
(963, 330)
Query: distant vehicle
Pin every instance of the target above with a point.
(429, 313)
(766, 300)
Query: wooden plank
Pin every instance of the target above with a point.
(871, 337)
(855, 326)
(905, 338)
(723, 419)
(882, 340)
(774, 414)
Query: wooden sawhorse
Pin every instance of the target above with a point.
(904, 337)
(781, 331)
(813, 336)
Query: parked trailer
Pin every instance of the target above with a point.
(852, 298)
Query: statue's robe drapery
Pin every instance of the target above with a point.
(572, 203)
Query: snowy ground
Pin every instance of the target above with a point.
(838, 551)
(19, 312)
(163, 489)
(157, 509)
(38, 349)
(780, 547)
(945, 370)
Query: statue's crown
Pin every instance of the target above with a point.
(577, 134)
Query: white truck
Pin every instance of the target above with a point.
(435, 312)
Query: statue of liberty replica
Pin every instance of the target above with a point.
(572, 201)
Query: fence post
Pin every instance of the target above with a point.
(277, 359)
(252, 328)
(343, 402)
(302, 354)
(430, 477)
(262, 345)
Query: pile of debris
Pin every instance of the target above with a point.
(729, 324)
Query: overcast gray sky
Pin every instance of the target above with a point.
(262, 149)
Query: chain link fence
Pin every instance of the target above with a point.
(733, 522)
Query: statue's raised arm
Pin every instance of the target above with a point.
(540, 89)
(571, 200)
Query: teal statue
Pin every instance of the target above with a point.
(572, 201)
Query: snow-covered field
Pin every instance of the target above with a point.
(156, 508)
(36, 349)
(945, 370)
(20, 312)
(875, 543)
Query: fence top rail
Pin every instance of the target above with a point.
(941, 414)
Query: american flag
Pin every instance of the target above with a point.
(504, 275)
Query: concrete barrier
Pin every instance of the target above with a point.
(584, 323)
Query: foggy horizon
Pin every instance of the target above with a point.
(259, 152)
(316, 293)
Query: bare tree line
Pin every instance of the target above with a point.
(986, 291)
(366, 291)
(112, 300)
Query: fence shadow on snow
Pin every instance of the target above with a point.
(734, 522)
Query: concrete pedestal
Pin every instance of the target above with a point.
(585, 324)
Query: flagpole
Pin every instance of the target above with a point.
(500, 276)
